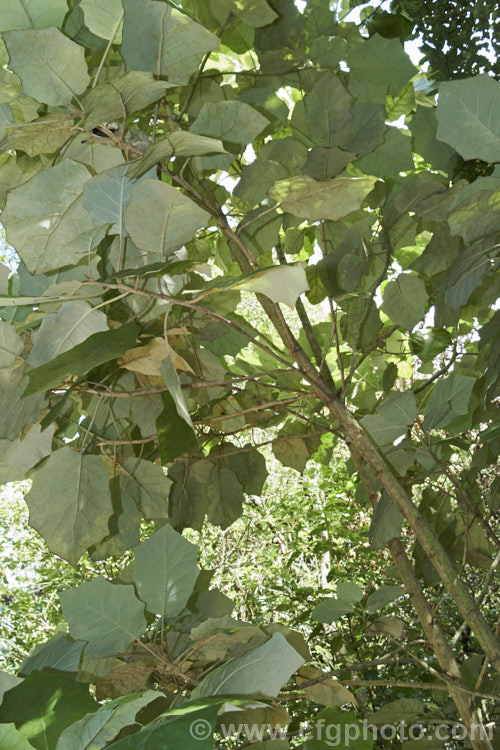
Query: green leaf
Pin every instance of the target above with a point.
(96, 730)
(405, 300)
(349, 592)
(393, 418)
(42, 136)
(69, 326)
(260, 672)
(37, 14)
(18, 456)
(80, 517)
(51, 67)
(178, 143)
(11, 346)
(233, 122)
(96, 349)
(153, 485)
(253, 12)
(468, 116)
(383, 596)
(103, 17)
(390, 158)
(331, 199)
(60, 653)
(160, 39)
(191, 729)
(108, 616)
(45, 219)
(175, 435)
(329, 610)
(165, 571)
(123, 94)
(378, 67)
(386, 524)
(281, 284)
(160, 219)
(327, 109)
(449, 399)
(225, 497)
(43, 705)
(12, 739)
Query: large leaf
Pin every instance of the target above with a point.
(45, 219)
(43, 705)
(393, 418)
(70, 325)
(331, 199)
(45, 135)
(25, 14)
(160, 219)
(189, 727)
(123, 94)
(329, 610)
(96, 730)
(260, 672)
(180, 143)
(225, 497)
(11, 346)
(103, 17)
(165, 571)
(153, 485)
(378, 67)
(60, 653)
(405, 300)
(160, 39)
(468, 116)
(79, 519)
(175, 435)
(253, 12)
(386, 524)
(326, 108)
(282, 284)
(449, 399)
(383, 596)
(51, 67)
(96, 349)
(108, 616)
(12, 739)
(18, 456)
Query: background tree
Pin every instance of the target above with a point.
(159, 161)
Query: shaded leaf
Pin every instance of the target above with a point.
(96, 349)
(80, 517)
(51, 67)
(259, 672)
(327, 692)
(331, 199)
(59, 654)
(160, 39)
(382, 596)
(405, 300)
(153, 485)
(329, 610)
(18, 456)
(43, 705)
(165, 571)
(108, 616)
(386, 524)
(175, 435)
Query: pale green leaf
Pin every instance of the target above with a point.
(387, 625)
(124, 94)
(165, 571)
(12, 739)
(103, 17)
(45, 220)
(8, 681)
(153, 485)
(108, 616)
(468, 116)
(51, 67)
(349, 592)
(331, 199)
(329, 610)
(386, 524)
(405, 300)
(259, 672)
(160, 219)
(160, 39)
(60, 653)
(378, 67)
(382, 596)
(281, 284)
(18, 456)
(179, 143)
(70, 325)
(107, 195)
(43, 136)
(327, 692)
(80, 517)
(37, 14)
(449, 399)
(96, 730)
(253, 12)
(11, 346)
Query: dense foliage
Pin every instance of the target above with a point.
(159, 165)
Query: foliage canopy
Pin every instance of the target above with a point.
(159, 164)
